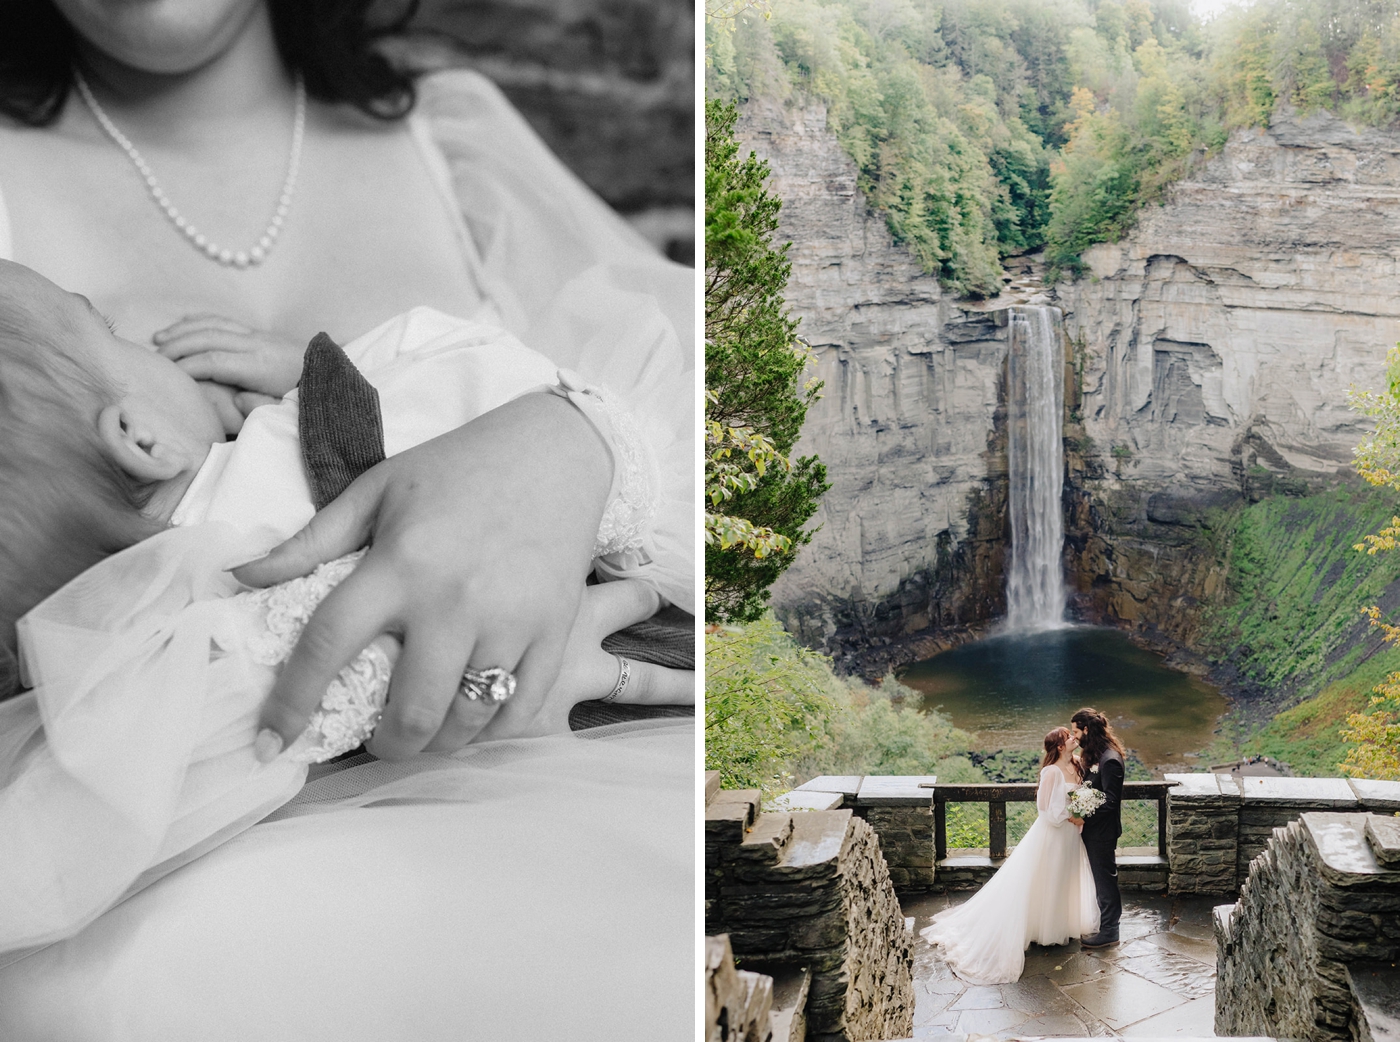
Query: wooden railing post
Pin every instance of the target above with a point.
(1162, 826)
(996, 828)
(940, 829)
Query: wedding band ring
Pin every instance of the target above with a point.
(624, 674)
(491, 686)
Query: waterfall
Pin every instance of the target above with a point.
(1035, 588)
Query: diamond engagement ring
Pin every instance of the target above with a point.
(624, 674)
(492, 686)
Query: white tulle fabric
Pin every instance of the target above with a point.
(380, 900)
(1043, 893)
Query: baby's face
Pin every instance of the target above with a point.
(164, 394)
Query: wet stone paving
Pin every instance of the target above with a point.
(1158, 982)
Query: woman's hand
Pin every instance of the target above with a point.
(221, 351)
(480, 541)
(588, 672)
(1077, 822)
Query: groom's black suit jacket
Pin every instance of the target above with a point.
(1106, 823)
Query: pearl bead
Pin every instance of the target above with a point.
(200, 240)
(256, 254)
(211, 250)
(225, 256)
(264, 244)
(240, 259)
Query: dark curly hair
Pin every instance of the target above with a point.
(330, 42)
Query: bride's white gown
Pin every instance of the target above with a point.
(1043, 892)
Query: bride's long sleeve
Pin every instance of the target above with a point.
(1051, 798)
(572, 280)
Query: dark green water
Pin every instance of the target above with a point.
(1010, 690)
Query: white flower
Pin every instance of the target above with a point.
(1094, 769)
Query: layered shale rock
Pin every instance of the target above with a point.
(1214, 348)
(912, 530)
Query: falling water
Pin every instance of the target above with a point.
(1035, 588)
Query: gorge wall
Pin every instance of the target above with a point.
(911, 534)
(1211, 352)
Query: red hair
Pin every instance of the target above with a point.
(1054, 746)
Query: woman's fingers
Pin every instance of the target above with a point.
(196, 323)
(351, 616)
(611, 606)
(341, 527)
(465, 720)
(652, 685)
(422, 689)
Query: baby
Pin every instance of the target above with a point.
(108, 442)
(122, 509)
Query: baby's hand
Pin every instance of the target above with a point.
(220, 350)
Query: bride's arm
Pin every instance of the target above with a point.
(1050, 798)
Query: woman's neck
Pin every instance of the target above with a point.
(244, 77)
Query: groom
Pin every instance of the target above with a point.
(1102, 756)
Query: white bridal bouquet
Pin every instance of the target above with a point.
(1084, 800)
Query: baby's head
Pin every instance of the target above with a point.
(99, 437)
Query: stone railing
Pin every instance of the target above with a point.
(810, 891)
(910, 815)
(1309, 950)
(1209, 826)
(1218, 823)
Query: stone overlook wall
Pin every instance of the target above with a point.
(810, 889)
(911, 531)
(1213, 349)
(1217, 824)
(1319, 913)
(1215, 346)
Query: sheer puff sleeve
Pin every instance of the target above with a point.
(1051, 797)
(572, 280)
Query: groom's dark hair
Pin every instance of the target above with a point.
(1098, 736)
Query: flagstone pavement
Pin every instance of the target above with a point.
(1158, 982)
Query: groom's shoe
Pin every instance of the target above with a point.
(1098, 940)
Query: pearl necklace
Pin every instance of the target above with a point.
(230, 258)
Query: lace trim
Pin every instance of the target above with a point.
(352, 705)
(633, 499)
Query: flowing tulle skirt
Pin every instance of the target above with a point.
(1043, 892)
(534, 889)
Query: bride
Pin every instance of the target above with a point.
(1044, 892)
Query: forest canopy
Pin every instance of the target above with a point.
(984, 128)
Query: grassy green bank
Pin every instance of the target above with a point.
(1288, 637)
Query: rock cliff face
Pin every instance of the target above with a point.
(911, 531)
(1211, 354)
(1214, 348)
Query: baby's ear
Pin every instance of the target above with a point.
(134, 449)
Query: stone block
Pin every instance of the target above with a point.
(896, 791)
(798, 800)
(738, 1003)
(1376, 795)
(1383, 836)
(1310, 793)
(766, 841)
(711, 785)
(846, 784)
(1193, 786)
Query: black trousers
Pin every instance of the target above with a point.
(1105, 869)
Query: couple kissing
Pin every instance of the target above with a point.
(1061, 880)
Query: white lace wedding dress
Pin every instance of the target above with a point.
(1043, 892)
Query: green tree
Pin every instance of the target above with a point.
(755, 397)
